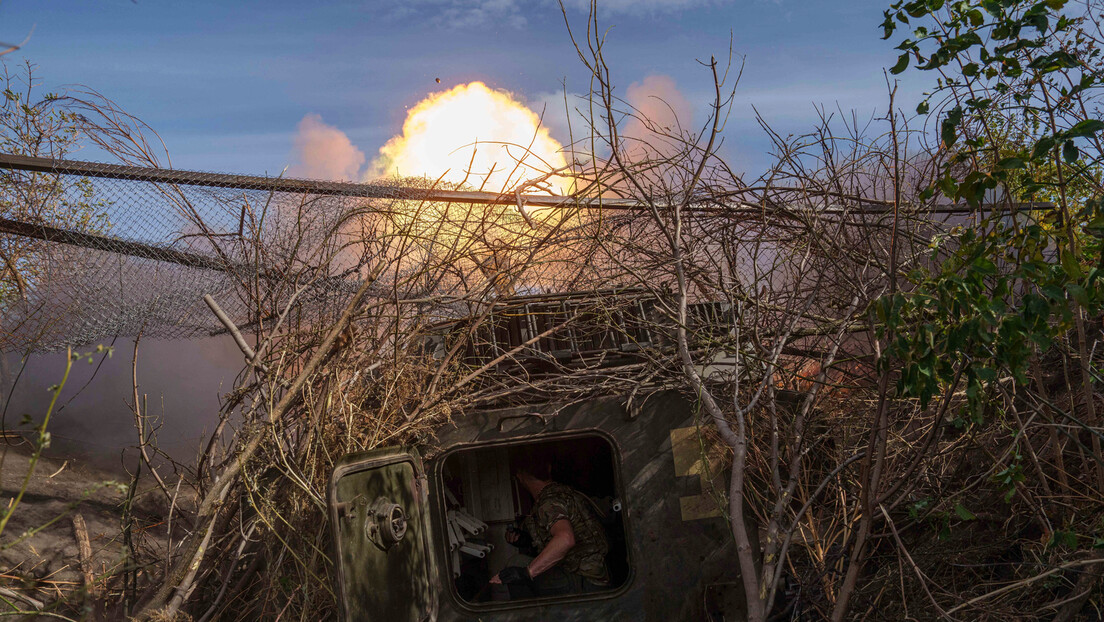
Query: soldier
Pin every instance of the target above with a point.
(568, 540)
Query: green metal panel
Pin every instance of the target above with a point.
(379, 511)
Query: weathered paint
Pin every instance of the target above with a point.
(377, 584)
(675, 555)
(689, 461)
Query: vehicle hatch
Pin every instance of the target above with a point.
(380, 518)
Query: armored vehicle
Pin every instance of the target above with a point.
(418, 532)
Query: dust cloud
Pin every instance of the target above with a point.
(181, 379)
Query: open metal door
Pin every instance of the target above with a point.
(379, 509)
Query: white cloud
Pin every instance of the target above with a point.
(640, 6)
(465, 14)
(462, 14)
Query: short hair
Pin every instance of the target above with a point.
(534, 461)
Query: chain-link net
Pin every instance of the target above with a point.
(90, 251)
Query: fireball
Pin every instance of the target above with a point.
(478, 137)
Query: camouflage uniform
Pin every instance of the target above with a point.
(588, 557)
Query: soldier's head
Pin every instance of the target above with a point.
(533, 470)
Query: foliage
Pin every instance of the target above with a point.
(999, 324)
(40, 126)
(1011, 283)
(41, 439)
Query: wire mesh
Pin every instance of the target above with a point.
(92, 251)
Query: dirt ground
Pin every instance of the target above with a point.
(40, 547)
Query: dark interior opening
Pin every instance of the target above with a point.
(479, 484)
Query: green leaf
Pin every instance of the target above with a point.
(1040, 22)
(984, 265)
(1043, 147)
(922, 107)
(948, 134)
(1071, 266)
(1062, 538)
(948, 186)
(1010, 163)
(918, 507)
(902, 64)
(1085, 128)
(888, 26)
(1079, 294)
(963, 513)
(986, 374)
(945, 532)
(1054, 61)
(1070, 152)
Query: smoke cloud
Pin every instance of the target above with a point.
(324, 152)
(661, 108)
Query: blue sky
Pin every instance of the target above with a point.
(226, 83)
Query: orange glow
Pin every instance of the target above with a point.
(440, 133)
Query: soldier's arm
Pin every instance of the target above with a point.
(563, 538)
